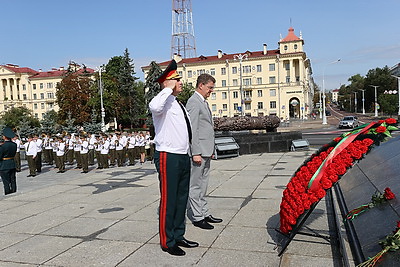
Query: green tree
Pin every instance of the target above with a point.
(187, 92)
(49, 122)
(152, 87)
(73, 94)
(14, 116)
(388, 103)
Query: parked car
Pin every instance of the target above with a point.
(349, 122)
(327, 113)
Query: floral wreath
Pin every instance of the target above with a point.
(325, 167)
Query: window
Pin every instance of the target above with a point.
(190, 84)
(24, 87)
(36, 115)
(234, 70)
(41, 85)
(180, 73)
(49, 85)
(295, 46)
(41, 95)
(258, 68)
(35, 106)
(42, 105)
(247, 106)
(235, 94)
(24, 97)
(212, 72)
(213, 96)
(285, 47)
(272, 104)
(247, 93)
(223, 71)
(247, 81)
(247, 69)
(190, 74)
(259, 80)
(272, 79)
(50, 105)
(202, 71)
(235, 82)
(223, 82)
(34, 96)
(272, 92)
(260, 105)
(34, 86)
(272, 67)
(214, 107)
(287, 79)
(259, 93)
(287, 66)
(224, 107)
(42, 115)
(224, 95)
(235, 106)
(50, 95)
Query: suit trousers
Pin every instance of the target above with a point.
(174, 175)
(31, 165)
(85, 162)
(91, 156)
(60, 163)
(9, 181)
(197, 203)
(38, 162)
(17, 159)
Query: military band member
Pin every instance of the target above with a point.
(70, 149)
(112, 150)
(131, 141)
(48, 149)
(77, 152)
(119, 148)
(61, 147)
(104, 151)
(92, 140)
(84, 154)
(17, 157)
(38, 158)
(98, 144)
(31, 153)
(141, 142)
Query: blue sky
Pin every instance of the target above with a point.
(44, 34)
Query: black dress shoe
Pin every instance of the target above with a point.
(203, 225)
(186, 243)
(211, 219)
(175, 250)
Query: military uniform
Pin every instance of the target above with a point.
(7, 163)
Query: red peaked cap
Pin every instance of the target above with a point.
(169, 73)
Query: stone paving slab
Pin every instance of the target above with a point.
(109, 217)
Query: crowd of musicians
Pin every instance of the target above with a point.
(115, 149)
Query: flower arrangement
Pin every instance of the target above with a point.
(390, 243)
(325, 167)
(376, 199)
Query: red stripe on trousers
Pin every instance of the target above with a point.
(163, 202)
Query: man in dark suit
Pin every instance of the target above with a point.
(202, 149)
(7, 163)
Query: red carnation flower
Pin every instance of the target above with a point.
(381, 121)
(381, 129)
(326, 183)
(389, 194)
(337, 139)
(398, 224)
(368, 141)
(391, 121)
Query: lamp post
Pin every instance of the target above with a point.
(363, 100)
(103, 113)
(398, 90)
(376, 100)
(355, 102)
(241, 57)
(323, 90)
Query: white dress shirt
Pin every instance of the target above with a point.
(169, 123)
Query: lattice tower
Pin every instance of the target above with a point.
(183, 41)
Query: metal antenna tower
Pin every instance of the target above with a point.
(183, 41)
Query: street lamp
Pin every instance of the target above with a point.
(398, 89)
(363, 100)
(103, 113)
(376, 100)
(355, 102)
(241, 57)
(323, 90)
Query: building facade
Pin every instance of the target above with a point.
(35, 90)
(256, 83)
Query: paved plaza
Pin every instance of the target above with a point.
(109, 218)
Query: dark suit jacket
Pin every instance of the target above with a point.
(7, 150)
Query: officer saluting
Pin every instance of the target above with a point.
(173, 134)
(7, 163)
